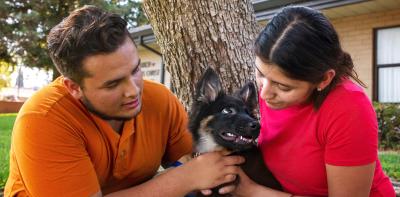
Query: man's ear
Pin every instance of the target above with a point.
(328, 77)
(73, 88)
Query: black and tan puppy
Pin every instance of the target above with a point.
(220, 121)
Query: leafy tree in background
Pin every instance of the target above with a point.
(25, 24)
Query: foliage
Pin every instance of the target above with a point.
(5, 72)
(389, 125)
(6, 124)
(390, 161)
(25, 24)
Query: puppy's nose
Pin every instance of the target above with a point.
(254, 125)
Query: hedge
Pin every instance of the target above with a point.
(389, 125)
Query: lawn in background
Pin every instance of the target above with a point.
(6, 124)
(389, 159)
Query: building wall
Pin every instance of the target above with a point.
(356, 35)
(151, 66)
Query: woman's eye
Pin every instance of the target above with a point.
(229, 110)
(284, 88)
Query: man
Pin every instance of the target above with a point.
(100, 129)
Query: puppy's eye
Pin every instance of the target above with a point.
(229, 110)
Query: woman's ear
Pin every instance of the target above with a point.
(73, 88)
(328, 77)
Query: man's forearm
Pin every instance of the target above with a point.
(173, 183)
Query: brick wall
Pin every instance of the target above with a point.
(10, 106)
(356, 35)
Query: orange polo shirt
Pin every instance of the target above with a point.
(58, 148)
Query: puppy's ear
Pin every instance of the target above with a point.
(209, 87)
(249, 95)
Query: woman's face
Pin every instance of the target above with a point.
(279, 91)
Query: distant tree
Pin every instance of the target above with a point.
(5, 72)
(25, 24)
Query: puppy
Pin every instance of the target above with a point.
(220, 121)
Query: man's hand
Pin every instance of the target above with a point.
(212, 169)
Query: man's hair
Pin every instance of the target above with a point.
(86, 31)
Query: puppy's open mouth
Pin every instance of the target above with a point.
(228, 136)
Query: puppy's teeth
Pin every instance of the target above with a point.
(230, 134)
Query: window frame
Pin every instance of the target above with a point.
(376, 66)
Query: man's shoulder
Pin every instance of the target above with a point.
(155, 91)
(158, 98)
(48, 98)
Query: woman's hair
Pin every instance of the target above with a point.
(304, 44)
(86, 31)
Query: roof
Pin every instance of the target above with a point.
(264, 10)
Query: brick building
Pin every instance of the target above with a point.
(369, 30)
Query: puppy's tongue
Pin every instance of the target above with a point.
(229, 136)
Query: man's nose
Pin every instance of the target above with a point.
(131, 88)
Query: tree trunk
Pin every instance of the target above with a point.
(196, 34)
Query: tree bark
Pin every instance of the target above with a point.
(196, 34)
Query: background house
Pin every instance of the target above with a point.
(369, 30)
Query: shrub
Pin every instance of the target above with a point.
(389, 125)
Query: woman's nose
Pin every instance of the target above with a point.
(266, 92)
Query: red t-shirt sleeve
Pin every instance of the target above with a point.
(350, 130)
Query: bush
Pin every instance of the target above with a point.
(389, 125)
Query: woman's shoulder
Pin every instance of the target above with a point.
(347, 93)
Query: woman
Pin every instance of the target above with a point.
(319, 129)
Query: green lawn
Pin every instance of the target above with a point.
(389, 159)
(6, 124)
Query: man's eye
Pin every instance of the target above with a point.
(111, 86)
(229, 110)
(136, 70)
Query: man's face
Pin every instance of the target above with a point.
(113, 89)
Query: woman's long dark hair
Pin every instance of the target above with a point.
(304, 44)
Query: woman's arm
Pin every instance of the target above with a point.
(343, 181)
(350, 180)
(248, 188)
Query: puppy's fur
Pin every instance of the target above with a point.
(220, 121)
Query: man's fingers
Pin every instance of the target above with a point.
(206, 192)
(233, 160)
(226, 152)
(230, 177)
(227, 189)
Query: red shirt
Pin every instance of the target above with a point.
(298, 141)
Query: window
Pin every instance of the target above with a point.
(387, 61)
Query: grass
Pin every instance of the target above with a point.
(6, 124)
(390, 160)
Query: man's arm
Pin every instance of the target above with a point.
(205, 171)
